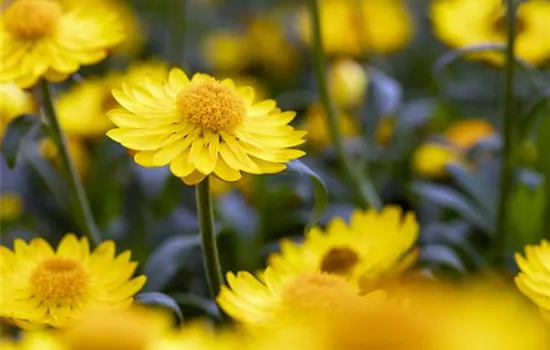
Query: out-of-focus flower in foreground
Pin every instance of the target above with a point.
(203, 126)
(317, 129)
(355, 27)
(11, 206)
(348, 82)
(13, 102)
(42, 287)
(461, 23)
(533, 279)
(429, 160)
(373, 247)
(466, 133)
(52, 39)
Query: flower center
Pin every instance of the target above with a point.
(59, 279)
(212, 106)
(32, 19)
(311, 293)
(339, 260)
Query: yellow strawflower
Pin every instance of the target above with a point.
(533, 279)
(13, 102)
(373, 247)
(317, 129)
(52, 39)
(351, 27)
(429, 160)
(11, 206)
(461, 23)
(348, 82)
(42, 287)
(466, 133)
(203, 126)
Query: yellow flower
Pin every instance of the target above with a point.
(318, 132)
(235, 55)
(52, 39)
(43, 287)
(348, 82)
(77, 150)
(466, 133)
(13, 103)
(374, 247)
(279, 297)
(203, 126)
(461, 23)
(11, 206)
(351, 27)
(429, 160)
(533, 279)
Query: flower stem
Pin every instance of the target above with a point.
(79, 201)
(507, 167)
(210, 255)
(179, 24)
(359, 179)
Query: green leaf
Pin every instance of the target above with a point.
(16, 132)
(321, 191)
(526, 215)
(165, 261)
(207, 306)
(476, 187)
(452, 199)
(162, 300)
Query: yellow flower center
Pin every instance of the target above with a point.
(59, 279)
(32, 19)
(327, 294)
(339, 260)
(212, 106)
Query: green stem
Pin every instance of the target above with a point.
(210, 255)
(179, 24)
(507, 167)
(79, 201)
(360, 180)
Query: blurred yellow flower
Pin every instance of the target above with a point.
(317, 129)
(278, 297)
(226, 52)
(374, 247)
(42, 287)
(13, 102)
(245, 185)
(203, 126)
(77, 150)
(11, 206)
(348, 82)
(461, 23)
(466, 133)
(533, 279)
(352, 27)
(429, 160)
(384, 130)
(52, 39)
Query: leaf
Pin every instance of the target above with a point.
(165, 261)
(198, 302)
(525, 219)
(386, 92)
(160, 299)
(440, 255)
(485, 194)
(452, 199)
(16, 132)
(319, 187)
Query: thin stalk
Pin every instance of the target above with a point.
(210, 255)
(79, 201)
(359, 179)
(507, 167)
(178, 29)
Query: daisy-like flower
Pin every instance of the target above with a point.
(42, 287)
(375, 246)
(533, 279)
(461, 23)
(278, 297)
(53, 38)
(203, 126)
